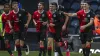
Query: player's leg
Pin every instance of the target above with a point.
(26, 47)
(41, 44)
(41, 48)
(17, 42)
(42, 39)
(49, 44)
(8, 38)
(88, 43)
(57, 47)
(83, 41)
(38, 40)
(23, 44)
(58, 39)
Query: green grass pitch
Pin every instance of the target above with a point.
(35, 53)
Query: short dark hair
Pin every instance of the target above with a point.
(88, 2)
(54, 3)
(14, 2)
(42, 3)
(6, 4)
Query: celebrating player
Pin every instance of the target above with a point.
(20, 25)
(7, 27)
(55, 28)
(40, 20)
(85, 16)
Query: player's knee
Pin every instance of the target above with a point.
(21, 43)
(17, 42)
(88, 45)
(41, 43)
(49, 43)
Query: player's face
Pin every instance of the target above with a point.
(40, 6)
(82, 5)
(86, 6)
(15, 6)
(6, 8)
(52, 7)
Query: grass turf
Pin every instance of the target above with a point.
(35, 53)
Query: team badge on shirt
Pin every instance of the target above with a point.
(54, 15)
(19, 15)
(43, 15)
(88, 16)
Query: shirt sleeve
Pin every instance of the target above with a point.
(78, 14)
(92, 15)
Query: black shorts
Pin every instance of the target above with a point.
(19, 35)
(8, 36)
(53, 35)
(41, 35)
(86, 37)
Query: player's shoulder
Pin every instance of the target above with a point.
(35, 12)
(12, 11)
(81, 11)
(48, 12)
(92, 12)
(3, 14)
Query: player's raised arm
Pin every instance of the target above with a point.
(70, 14)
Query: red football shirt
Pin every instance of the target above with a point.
(51, 29)
(16, 21)
(5, 18)
(39, 18)
(81, 16)
(36, 16)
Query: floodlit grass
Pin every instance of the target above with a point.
(35, 53)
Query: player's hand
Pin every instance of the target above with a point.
(26, 25)
(44, 23)
(35, 24)
(82, 27)
(63, 27)
(52, 25)
(11, 31)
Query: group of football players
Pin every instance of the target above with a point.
(49, 25)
